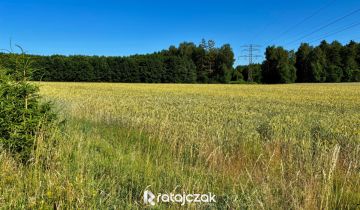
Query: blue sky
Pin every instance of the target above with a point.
(128, 27)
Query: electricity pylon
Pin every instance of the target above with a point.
(250, 50)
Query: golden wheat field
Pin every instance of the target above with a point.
(255, 146)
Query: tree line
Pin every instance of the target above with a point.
(324, 63)
(187, 63)
(204, 63)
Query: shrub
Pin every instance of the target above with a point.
(22, 115)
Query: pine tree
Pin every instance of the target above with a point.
(22, 115)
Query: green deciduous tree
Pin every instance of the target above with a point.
(302, 63)
(317, 64)
(278, 66)
(179, 70)
(349, 64)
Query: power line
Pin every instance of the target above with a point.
(335, 32)
(325, 26)
(250, 50)
(263, 29)
(301, 22)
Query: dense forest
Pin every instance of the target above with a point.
(324, 63)
(204, 63)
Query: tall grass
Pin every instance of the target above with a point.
(255, 147)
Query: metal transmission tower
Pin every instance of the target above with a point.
(250, 50)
